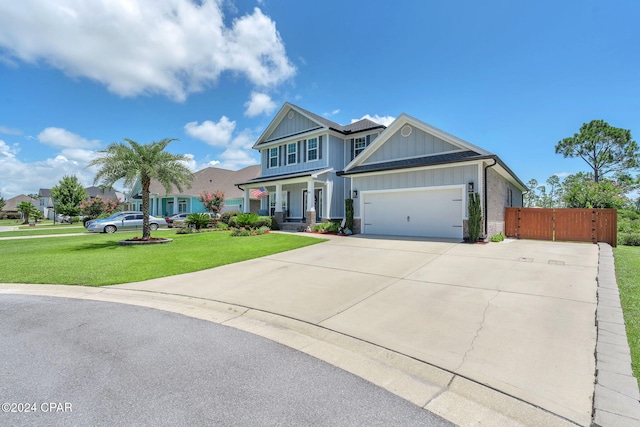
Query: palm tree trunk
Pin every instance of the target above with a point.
(146, 230)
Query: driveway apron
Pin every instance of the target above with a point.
(516, 316)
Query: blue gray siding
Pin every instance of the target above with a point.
(418, 144)
(297, 124)
(302, 164)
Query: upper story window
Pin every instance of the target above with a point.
(292, 153)
(273, 157)
(312, 149)
(359, 145)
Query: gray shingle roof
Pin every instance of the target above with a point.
(416, 162)
(282, 176)
(359, 126)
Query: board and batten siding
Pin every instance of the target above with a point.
(291, 126)
(419, 143)
(301, 165)
(455, 175)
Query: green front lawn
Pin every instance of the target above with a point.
(97, 259)
(627, 259)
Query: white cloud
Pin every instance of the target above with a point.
(383, 120)
(215, 134)
(260, 103)
(8, 152)
(18, 177)
(333, 113)
(62, 138)
(168, 47)
(10, 131)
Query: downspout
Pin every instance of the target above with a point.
(486, 202)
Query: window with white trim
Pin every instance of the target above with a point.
(273, 157)
(292, 153)
(312, 149)
(359, 145)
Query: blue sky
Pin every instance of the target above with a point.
(511, 77)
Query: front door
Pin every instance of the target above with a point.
(318, 202)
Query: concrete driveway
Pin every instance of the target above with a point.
(516, 316)
(495, 334)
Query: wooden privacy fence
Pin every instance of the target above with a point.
(579, 225)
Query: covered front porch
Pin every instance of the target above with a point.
(301, 200)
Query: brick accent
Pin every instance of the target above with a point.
(357, 226)
(279, 216)
(310, 218)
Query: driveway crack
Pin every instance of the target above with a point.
(480, 327)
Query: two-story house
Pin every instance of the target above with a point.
(408, 179)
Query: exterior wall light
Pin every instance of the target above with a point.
(355, 194)
(470, 187)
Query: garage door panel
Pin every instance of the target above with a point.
(427, 213)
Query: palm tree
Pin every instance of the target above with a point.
(26, 209)
(142, 162)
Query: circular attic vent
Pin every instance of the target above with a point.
(290, 115)
(406, 130)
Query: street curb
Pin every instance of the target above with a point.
(455, 398)
(616, 399)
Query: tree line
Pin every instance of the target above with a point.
(611, 154)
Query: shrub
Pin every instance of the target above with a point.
(326, 227)
(348, 208)
(263, 221)
(497, 237)
(221, 226)
(226, 217)
(274, 223)
(629, 239)
(241, 232)
(197, 220)
(263, 230)
(246, 220)
(184, 230)
(475, 217)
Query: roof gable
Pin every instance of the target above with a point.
(409, 138)
(292, 120)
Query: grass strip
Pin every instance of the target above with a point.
(627, 259)
(98, 260)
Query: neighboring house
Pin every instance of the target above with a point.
(408, 179)
(11, 206)
(105, 194)
(210, 179)
(45, 203)
(47, 207)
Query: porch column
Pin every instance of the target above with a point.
(278, 214)
(310, 214)
(175, 205)
(246, 203)
(279, 198)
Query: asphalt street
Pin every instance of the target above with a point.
(81, 362)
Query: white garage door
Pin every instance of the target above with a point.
(427, 213)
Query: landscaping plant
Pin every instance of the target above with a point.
(475, 217)
(348, 209)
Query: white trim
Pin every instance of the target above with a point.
(277, 157)
(362, 195)
(397, 124)
(317, 150)
(295, 153)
